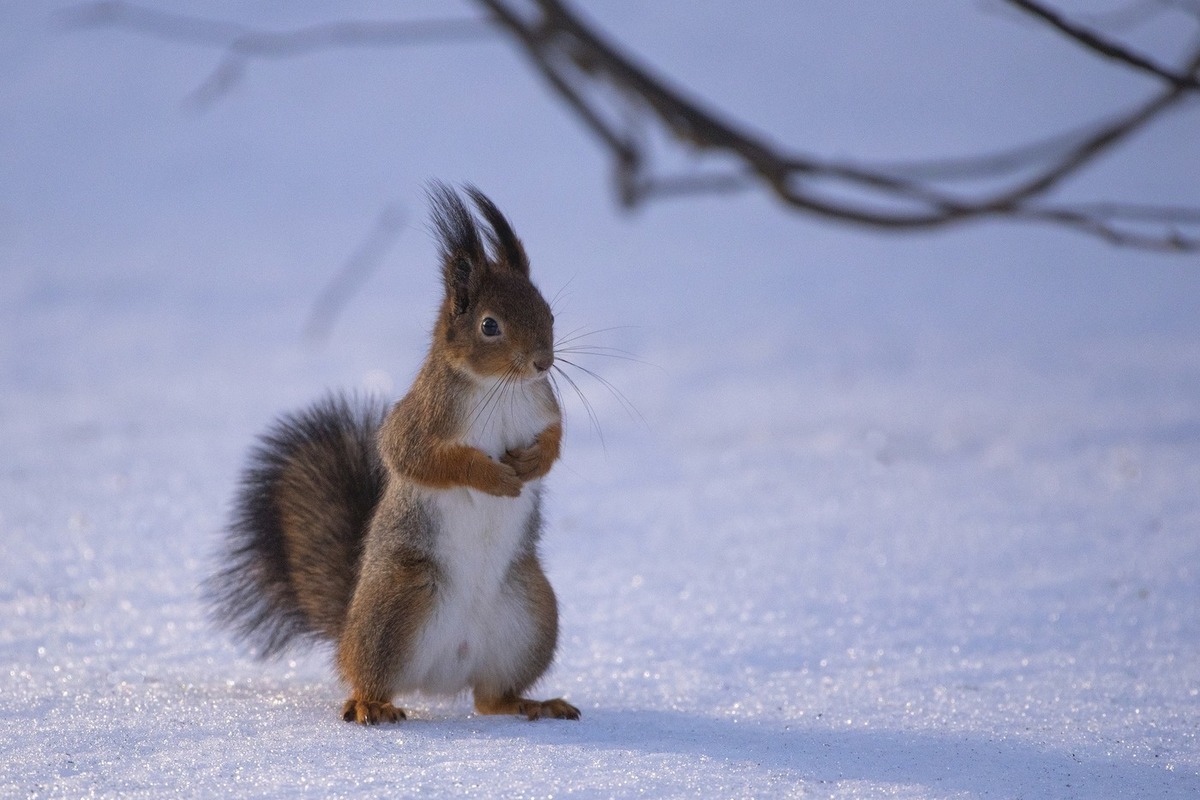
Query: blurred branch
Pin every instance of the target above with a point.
(1102, 46)
(616, 99)
(353, 274)
(242, 44)
(580, 65)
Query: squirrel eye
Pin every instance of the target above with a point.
(490, 327)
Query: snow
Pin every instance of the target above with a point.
(895, 516)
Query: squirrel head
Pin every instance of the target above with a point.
(493, 323)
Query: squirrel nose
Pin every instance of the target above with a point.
(543, 363)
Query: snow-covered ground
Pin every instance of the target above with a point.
(904, 517)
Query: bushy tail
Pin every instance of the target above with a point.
(290, 559)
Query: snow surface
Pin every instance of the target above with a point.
(896, 516)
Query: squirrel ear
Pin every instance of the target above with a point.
(507, 250)
(458, 241)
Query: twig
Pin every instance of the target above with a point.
(353, 273)
(242, 44)
(1104, 47)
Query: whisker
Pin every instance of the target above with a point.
(504, 383)
(554, 387)
(595, 348)
(625, 402)
(480, 405)
(516, 388)
(572, 335)
(486, 402)
(587, 405)
(607, 352)
(558, 295)
(575, 335)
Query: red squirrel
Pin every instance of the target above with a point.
(409, 537)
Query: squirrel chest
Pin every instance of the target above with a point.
(478, 624)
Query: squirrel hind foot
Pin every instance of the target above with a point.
(556, 708)
(530, 709)
(369, 712)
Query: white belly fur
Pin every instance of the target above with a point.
(479, 628)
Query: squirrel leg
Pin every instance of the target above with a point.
(390, 606)
(529, 581)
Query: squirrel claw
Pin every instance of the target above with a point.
(366, 712)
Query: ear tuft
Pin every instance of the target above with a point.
(459, 244)
(507, 250)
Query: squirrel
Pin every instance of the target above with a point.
(408, 537)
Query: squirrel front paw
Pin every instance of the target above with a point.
(533, 462)
(501, 480)
(367, 712)
(526, 462)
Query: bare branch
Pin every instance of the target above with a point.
(579, 58)
(615, 98)
(1104, 47)
(242, 44)
(160, 24)
(1105, 138)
